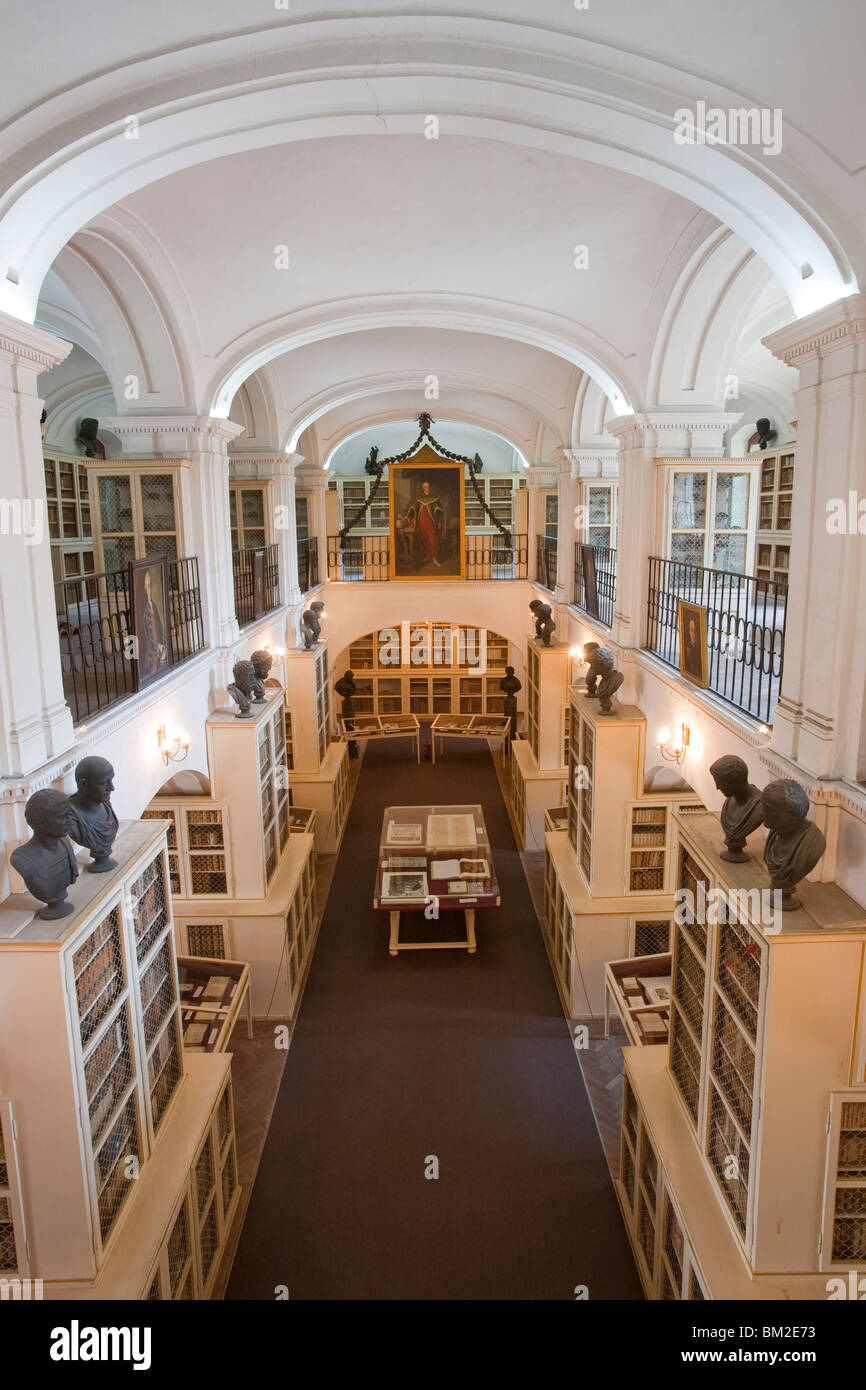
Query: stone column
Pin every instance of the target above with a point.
(636, 528)
(316, 480)
(567, 486)
(205, 523)
(35, 720)
(279, 470)
(821, 707)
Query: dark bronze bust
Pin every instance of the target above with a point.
(794, 844)
(262, 663)
(93, 822)
(595, 668)
(47, 861)
(742, 812)
(544, 623)
(509, 685)
(243, 689)
(610, 681)
(347, 688)
(311, 627)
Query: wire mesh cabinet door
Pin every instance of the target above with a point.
(842, 1241)
(14, 1251)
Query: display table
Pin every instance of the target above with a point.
(211, 994)
(434, 854)
(302, 821)
(471, 726)
(640, 989)
(383, 726)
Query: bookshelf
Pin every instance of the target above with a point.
(198, 844)
(236, 856)
(90, 1027)
(439, 683)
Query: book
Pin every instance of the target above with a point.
(459, 868)
(400, 833)
(657, 988)
(451, 831)
(406, 861)
(215, 989)
(399, 887)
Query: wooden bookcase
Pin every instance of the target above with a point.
(247, 762)
(758, 1050)
(90, 1028)
(441, 685)
(198, 844)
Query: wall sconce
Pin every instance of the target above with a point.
(180, 748)
(675, 755)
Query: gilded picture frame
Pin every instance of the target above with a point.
(427, 517)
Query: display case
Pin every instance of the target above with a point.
(212, 993)
(435, 851)
(470, 726)
(639, 988)
(275, 935)
(384, 727)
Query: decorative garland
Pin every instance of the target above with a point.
(373, 465)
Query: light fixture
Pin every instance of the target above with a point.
(180, 748)
(678, 754)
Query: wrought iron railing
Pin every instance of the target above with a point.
(99, 648)
(595, 581)
(545, 561)
(256, 571)
(488, 556)
(734, 632)
(308, 563)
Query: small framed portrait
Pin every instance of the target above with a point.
(427, 518)
(149, 619)
(693, 642)
(403, 886)
(590, 584)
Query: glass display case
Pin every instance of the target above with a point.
(211, 995)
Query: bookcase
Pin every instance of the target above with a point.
(93, 1062)
(440, 684)
(775, 498)
(764, 1021)
(547, 670)
(247, 762)
(308, 698)
(275, 936)
(198, 844)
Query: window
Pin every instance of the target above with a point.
(710, 515)
(601, 515)
(247, 512)
(138, 516)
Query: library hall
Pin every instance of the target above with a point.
(433, 661)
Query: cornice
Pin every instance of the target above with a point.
(827, 330)
(28, 344)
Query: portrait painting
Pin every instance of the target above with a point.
(149, 620)
(693, 642)
(426, 518)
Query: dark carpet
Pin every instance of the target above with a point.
(431, 1053)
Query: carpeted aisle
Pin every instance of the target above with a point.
(431, 1053)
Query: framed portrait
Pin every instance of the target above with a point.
(590, 585)
(692, 621)
(149, 619)
(427, 518)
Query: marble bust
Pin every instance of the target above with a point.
(47, 861)
(93, 821)
(243, 689)
(743, 811)
(794, 844)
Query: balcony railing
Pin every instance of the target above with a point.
(745, 631)
(595, 581)
(256, 572)
(98, 645)
(308, 563)
(488, 556)
(545, 561)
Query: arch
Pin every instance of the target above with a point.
(395, 416)
(552, 333)
(502, 79)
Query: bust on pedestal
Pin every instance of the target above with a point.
(743, 811)
(346, 687)
(794, 844)
(93, 822)
(243, 689)
(610, 682)
(544, 623)
(311, 627)
(47, 861)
